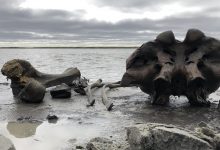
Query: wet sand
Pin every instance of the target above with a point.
(26, 124)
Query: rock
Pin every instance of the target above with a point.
(26, 118)
(217, 141)
(100, 143)
(52, 118)
(79, 85)
(163, 137)
(61, 91)
(202, 124)
(79, 147)
(6, 144)
(205, 132)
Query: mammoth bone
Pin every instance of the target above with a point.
(166, 66)
(29, 84)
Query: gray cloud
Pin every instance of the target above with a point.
(141, 4)
(27, 24)
(132, 5)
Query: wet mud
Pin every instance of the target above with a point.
(28, 127)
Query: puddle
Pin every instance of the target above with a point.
(36, 135)
(23, 129)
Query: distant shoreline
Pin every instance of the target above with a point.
(66, 47)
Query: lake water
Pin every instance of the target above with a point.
(108, 63)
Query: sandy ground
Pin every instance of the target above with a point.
(26, 124)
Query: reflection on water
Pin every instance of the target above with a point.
(23, 129)
(63, 135)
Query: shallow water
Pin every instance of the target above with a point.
(26, 124)
(38, 135)
(108, 64)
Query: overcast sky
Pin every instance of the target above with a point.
(102, 22)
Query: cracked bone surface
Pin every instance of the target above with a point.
(29, 84)
(166, 66)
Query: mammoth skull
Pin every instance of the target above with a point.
(166, 66)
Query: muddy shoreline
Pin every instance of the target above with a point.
(77, 123)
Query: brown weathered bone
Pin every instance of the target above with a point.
(166, 66)
(29, 84)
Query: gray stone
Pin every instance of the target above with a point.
(52, 118)
(205, 133)
(217, 141)
(163, 137)
(6, 144)
(79, 147)
(100, 143)
(203, 124)
(61, 91)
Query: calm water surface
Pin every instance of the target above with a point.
(108, 64)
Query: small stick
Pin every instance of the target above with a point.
(91, 100)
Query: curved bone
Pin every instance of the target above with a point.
(91, 99)
(108, 103)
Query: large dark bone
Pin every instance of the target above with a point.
(29, 84)
(166, 66)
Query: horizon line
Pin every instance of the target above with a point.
(57, 47)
